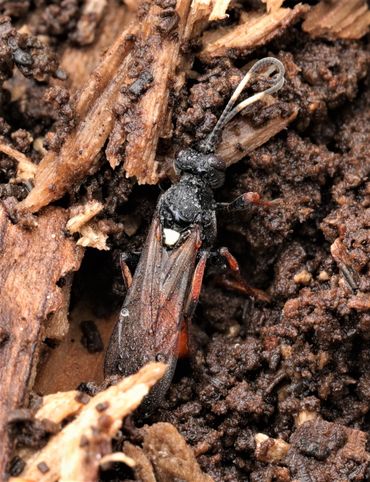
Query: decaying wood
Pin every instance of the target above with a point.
(268, 449)
(150, 111)
(26, 169)
(272, 5)
(334, 19)
(80, 222)
(219, 10)
(82, 214)
(80, 63)
(256, 29)
(239, 137)
(165, 457)
(31, 264)
(87, 438)
(92, 13)
(80, 153)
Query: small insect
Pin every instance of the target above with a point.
(164, 291)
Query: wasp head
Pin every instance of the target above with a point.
(208, 167)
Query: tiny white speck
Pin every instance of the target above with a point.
(125, 312)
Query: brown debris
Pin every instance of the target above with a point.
(79, 155)
(82, 214)
(219, 10)
(240, 138)
(87, 438)
(255, 30)
(326, 449)
(162, 48)
(269, 449)
(273, 5)
(32, 263)
(344, 262)
(165, 457)
(92, 13)
(26, 169)
(335, 19)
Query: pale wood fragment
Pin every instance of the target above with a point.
(31, 264)
(270, 450)
(75, 453)
(82, 214)
(272, 5)
(93, 237)
(219, 10)
(26, 169)
(333, 19)
(92, 13)
(256, 29)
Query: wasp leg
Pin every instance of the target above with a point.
(238, 284)
(196, 286)
(244, 201)
(126, 273)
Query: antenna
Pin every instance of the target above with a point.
(229, 112)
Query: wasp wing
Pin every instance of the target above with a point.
(150, 319)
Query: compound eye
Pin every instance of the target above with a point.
(216, 162)
(216, 178)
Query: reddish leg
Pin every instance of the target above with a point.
(196, 286)
(244, 201)
(126, 273)
(239, 284)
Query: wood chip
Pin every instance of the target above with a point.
(171, 457)
(335, 19)
(82, 214)
(92, 13)
(256, 30)
(75, 453)
(273, 5)
(304, 416)
(26, 169)
(345, 263)
(31, 264)
(93, 237)
(239, 137)
(219, 10)
(270, 450)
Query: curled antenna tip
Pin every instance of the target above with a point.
(276, 67)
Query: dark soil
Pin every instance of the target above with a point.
(254, 366)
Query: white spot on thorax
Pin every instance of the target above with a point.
(170, 236)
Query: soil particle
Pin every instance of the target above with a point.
(91, 338)
(29, 431)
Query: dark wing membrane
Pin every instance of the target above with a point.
(150, 319)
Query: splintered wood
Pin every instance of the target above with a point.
(32, 263)
(348, 19)
(76, 452)
(255, 30)
(80, 153)
(239, 137)
(149, 113)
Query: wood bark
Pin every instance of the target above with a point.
(33, 264)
